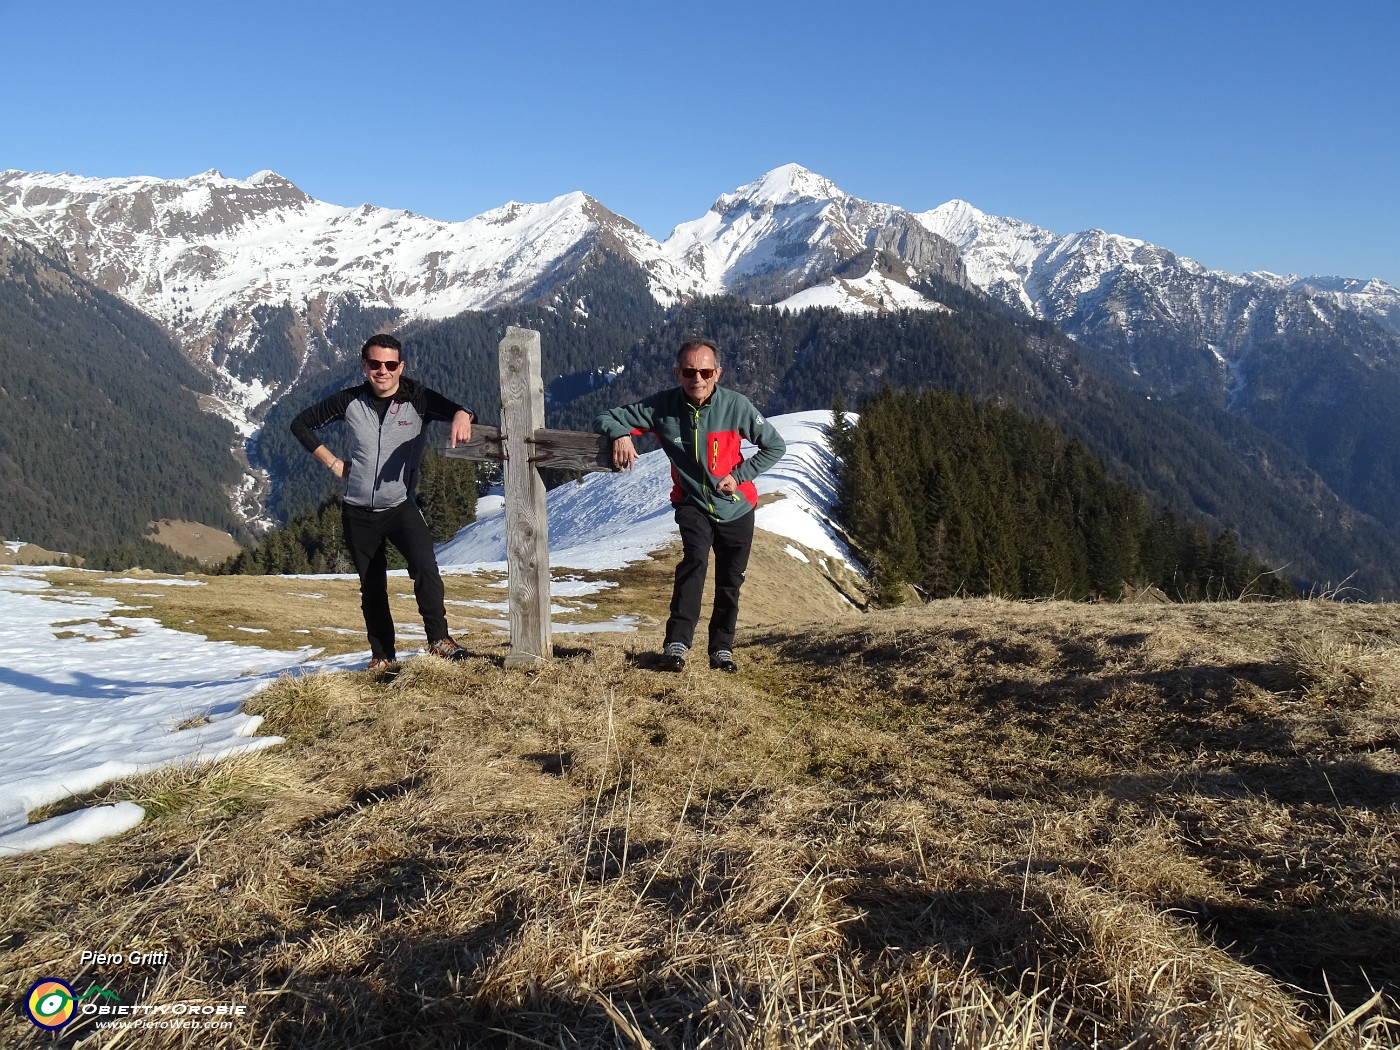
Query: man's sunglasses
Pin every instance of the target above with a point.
(703, 373)
(375, 366)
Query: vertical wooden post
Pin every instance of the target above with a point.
(527, 519)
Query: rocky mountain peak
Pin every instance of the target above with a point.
(792, 230)
(788, 184)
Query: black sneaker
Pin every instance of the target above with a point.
(723, 660)
(673, 657)
(447, 649)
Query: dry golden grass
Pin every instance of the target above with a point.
(975, 824)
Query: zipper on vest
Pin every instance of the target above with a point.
(379, 456)
(699, 445)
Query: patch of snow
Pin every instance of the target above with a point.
(617, 625)
(873, 293)
(80, 712)
(158, 582)
(82, 827)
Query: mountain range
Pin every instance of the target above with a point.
(211, 257)
(266, 290)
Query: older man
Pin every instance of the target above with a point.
(700, 427)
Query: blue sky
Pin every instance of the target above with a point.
(1248, 135)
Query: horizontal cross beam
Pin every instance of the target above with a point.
(573, 450)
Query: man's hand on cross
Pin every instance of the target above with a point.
(624, 453)
(461, 429)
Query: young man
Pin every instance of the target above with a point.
(700, 427)
(386, 418)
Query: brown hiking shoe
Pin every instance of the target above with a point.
(447, 649)
(381, 663)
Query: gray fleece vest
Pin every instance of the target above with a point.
(384, 458)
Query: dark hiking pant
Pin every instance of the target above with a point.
(366, 532)
(732, 541)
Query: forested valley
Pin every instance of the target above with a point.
(101, 431)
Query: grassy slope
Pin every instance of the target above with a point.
(195, 540)
(979, 823)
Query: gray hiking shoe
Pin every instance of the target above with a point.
(723, 660)
(673, 657)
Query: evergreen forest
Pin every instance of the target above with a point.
(956, 497)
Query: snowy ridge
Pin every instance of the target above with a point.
(1166, 320)
(201, 254)
(186, 251)
(1057, 277)
(208, 249)
(999, 253)
(873, 293)
(1036, 270)
(607, 521)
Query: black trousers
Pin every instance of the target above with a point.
(732, 541)
(366, 532)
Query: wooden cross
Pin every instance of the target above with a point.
(523, 445)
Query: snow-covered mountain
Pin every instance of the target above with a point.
(204, 255)
(214, 258)
(1161, 315)
(187, 250)
(795, 239)
(1049, 275)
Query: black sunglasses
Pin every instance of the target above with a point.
(375, 366)
(703, 373)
